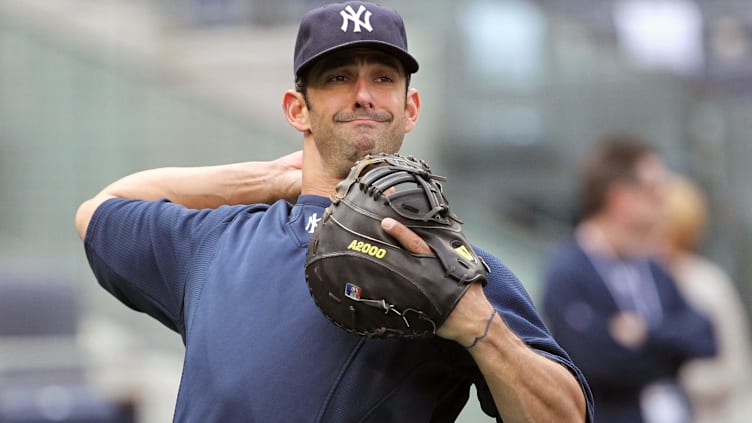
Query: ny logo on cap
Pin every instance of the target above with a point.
(350, 15)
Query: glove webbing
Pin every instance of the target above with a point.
(382, 178)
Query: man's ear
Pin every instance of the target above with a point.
(296, 110)
(412, 109)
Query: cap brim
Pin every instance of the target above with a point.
(408, 61)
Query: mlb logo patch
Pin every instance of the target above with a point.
(352, 292)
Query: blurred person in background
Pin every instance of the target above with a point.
(716, 386)
(193, 248)
(616, 311)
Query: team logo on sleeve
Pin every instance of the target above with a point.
(313, 222)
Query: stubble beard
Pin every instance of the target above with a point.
(341, 149)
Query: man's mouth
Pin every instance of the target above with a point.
(371, 116)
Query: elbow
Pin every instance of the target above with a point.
(581, 411)
(85, 212)
(82, 218)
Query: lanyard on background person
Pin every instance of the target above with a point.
(630, 283)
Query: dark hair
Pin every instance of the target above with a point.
(614, 159)
(301, 86)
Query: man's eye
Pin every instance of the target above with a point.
(384, 79)
(337, 78)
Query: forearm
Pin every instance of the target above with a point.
(204, 187)
(686, 335)
(526, 386)
(201, 187)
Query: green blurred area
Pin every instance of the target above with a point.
(76, 114)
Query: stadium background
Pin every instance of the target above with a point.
(513, 93)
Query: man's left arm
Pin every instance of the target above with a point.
(685, 333)
(526, 386)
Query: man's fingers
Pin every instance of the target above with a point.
(293, 160)
(409, 239)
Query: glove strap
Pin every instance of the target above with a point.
(488, 326)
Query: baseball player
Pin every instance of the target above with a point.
(217, 254)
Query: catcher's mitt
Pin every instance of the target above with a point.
(362, 279)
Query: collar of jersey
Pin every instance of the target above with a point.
(303, 209)
(313, 200)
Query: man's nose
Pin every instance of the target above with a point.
(363, 98)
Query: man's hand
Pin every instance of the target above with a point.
(628, 329)
(470, 316)
(289, 179)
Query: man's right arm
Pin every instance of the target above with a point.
(685, 333)
(584, 329)
(204, 187)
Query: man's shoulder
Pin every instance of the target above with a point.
(495, 264)
(566, 264)
(281, 208)
(502, 281)
(567, 246)
(258, 217)
(164, 213)
(117, 202)
(565, 253)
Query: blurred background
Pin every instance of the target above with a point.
(513, 92)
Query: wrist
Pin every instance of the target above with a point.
(470, 317)
(260, 182)
(286, 177)
(484, 334)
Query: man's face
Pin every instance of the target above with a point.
(647, 195)
(358, 105)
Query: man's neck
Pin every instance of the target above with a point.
(316, 178)
(606, 237)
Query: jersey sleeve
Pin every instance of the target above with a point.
(505, 291)
(141, 252)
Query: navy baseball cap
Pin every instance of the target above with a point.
(352, 24)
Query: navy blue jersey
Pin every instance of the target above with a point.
(578, 306)
(231, 282)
